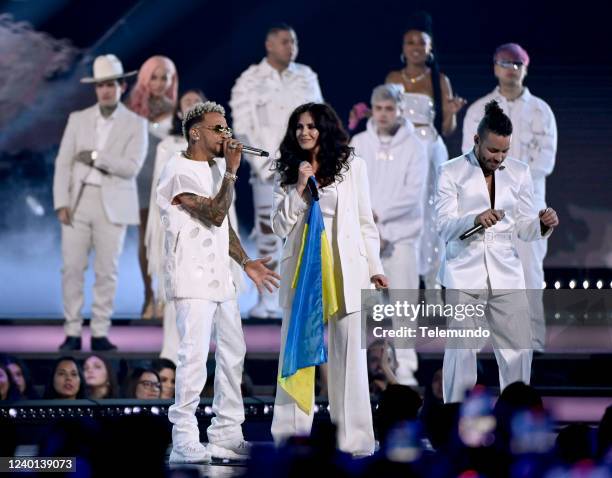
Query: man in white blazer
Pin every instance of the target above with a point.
(262, 99)
(94, 195)
(486, 188)
(534, 142)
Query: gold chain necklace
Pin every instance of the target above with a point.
(414, 79)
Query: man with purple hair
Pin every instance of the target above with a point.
(534, 142)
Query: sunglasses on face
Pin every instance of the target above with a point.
(219, 129)
(509, 64)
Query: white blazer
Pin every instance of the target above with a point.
(356, 234)
(122, 157)
(461, 195)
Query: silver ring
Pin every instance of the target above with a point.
(233, 146)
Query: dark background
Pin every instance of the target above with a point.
(351, 45)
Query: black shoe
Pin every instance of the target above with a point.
(102, 344)
(70, 344)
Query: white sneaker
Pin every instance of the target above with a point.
(192, 453)
(232, 450)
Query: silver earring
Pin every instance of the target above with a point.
(403, 58)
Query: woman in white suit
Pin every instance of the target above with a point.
(316, 145)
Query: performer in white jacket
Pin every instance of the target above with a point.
(95, 197)
(262, 100)
(534, 142)
(397, 163)
(316, 145)
(487, 188)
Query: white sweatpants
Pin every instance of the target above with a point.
(507, 320)
(170, 342)
(195, 318)
(348, 390)
(267, 244)
(532, 257)
(401, 268)
(90, 229)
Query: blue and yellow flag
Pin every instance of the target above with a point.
(314, 303)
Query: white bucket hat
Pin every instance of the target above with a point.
(107, 67)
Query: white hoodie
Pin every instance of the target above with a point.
(396, 185)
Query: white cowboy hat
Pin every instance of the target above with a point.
(107, 67)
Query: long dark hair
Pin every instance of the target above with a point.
(421, 21)
(51, 393)
(334, 152)
(29, 392)
(134, 378)
(13, 392)
(113, 386)
(177, 120)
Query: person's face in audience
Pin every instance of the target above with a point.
(436, 384)
(307, 133)
(95, 371)
(148, 387)
(160, 81)
(4, 384)
(188, 100)
(167, 382)
(18, 378)
(66, 380)
(386, 115)
(417, 47)
(376, 355)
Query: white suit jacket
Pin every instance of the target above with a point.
(534, 136)
(356, 234)
(122, 157)
(262, 101)
(461, 195)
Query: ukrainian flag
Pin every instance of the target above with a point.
(314, 303)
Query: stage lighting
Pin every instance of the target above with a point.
(557, 285)
(544, 285)
(572, 284)
(599, 284)
(585, 284)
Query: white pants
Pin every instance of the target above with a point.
(195, 318)
(268, 244)
(532, 258)
(90, 229)
(507, 320)
(401, 268)
(171, 336)
(348, 390)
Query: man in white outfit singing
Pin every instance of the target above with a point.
(262, 101)
(534, 142)
(486, 188)
(194, 196)
(397, 165)
(94, 195)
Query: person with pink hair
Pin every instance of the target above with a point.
(154, 97)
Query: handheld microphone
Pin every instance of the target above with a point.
(254, 151)
(478, 227)
(312, 187)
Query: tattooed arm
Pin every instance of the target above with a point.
(209, 210)
(236, 250)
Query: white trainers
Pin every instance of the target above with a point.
(231, 450)
(192, 453)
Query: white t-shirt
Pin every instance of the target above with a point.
(196, 255)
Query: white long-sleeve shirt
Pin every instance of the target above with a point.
(534, 136)
(263, 99)
(397, 174)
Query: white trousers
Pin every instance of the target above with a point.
(507, 320)
(401, 268)
(348, 390)
(195, 319)
(90, 229)
(268, 244)
(170, 342)
(532, 258)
